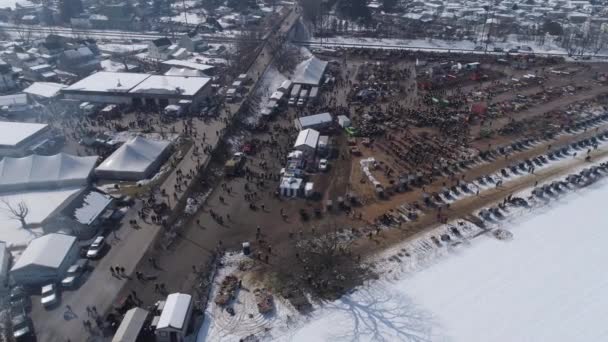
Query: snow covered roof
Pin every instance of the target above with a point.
(188, 64)
(131, 325)
(158, 84)
(135, 155)
(308, 137)
(310, 71)
(93, 204)
(175, 311)
(47, 251)
(183, 72)
(13, 99)
(44, 89)
(37, 170)
(41, 205)
(15, 133)
(105, 81)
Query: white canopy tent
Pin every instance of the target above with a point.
(136, 159)
(310, 71)
(290, 186)
(36, 171)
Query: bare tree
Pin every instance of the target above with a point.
(285, 57)
(18, 213)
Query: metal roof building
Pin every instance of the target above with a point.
(131, 325)
(175, 318)
(316, 121)
(45, 259)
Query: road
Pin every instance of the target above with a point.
(101, 289)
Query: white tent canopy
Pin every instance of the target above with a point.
(36, 171)
(310, 71)
(134, 160)
(175, 312)
(131, 325)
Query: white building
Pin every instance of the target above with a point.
(307, 141)
(131, 325)
(175, 318)
(45, 259)
(16, 138)
(44, 90)
(44, 172)
(317, 121)
(139, 89)
(136, 159)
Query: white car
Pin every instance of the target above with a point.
(323, 164)
(49, 295)
(95, 247)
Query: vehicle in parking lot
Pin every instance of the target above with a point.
(95, 248)
(323, 164)
(74, 272)
(49, 295)
(17, 293)
(21, 327)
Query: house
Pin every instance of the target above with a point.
(14, 105)
(81, 61)
(175, 318)
(45, 260)
(39, 72)
(192, 42)
(159, 48)
(42, 91)
(7, 77)
(16, 138)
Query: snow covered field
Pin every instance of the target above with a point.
(549, 47)
(546, 284)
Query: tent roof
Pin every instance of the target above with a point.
(135, 155)
(308, 137)
(175, 311)
(310, 71)
(41, 169)
(13, 133)
(47, 251)
(131, 325)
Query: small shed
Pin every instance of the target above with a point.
(175, 318)
(344, 121)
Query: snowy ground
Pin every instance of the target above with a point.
(437, 44)
(546, 284)
(40, 204)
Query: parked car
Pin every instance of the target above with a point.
(21, 327)
(74, 272)
(323, 164)
(95, 248)
(49, 295)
